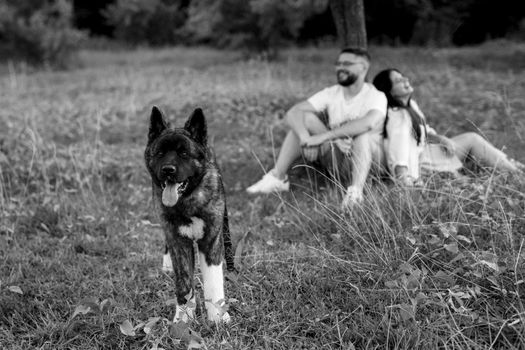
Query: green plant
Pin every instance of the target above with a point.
(42, 35)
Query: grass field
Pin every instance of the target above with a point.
(80, 247)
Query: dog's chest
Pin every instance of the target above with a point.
(194, 231)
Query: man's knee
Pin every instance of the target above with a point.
(293, 115)
(364, 142)
(313, 122)
(367, 147)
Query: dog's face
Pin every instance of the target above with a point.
(176, 157)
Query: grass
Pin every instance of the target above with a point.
(80, 248)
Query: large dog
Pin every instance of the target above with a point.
(189, 193)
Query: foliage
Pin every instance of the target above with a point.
(261, 25)
(152, 22)
(39, 33)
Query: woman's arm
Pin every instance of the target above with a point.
(446, 143)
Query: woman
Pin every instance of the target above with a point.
(411, 144)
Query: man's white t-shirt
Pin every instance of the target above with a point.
(339, 110)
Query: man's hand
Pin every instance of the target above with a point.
(311, 146)
(315, 140)
(310, 153)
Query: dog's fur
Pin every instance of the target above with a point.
(188, 189)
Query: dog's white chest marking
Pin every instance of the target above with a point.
(194, 231)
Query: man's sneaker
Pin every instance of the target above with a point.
(353, 196)
(269, 183)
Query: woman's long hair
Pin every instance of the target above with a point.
(383, 82)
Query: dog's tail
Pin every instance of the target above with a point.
(228, 247)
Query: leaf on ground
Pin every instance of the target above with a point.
(81, 309)
(406, 311)
(452, 247)
(463, 238)
(126, 328)
(3, 158)
(86, 306)
(196, 341)
(489, 264)
(411, 239)
(448, 229)
(180, 330)
(150, 324)
(392, 284)
(434, 240)
(194, 344)
(406, 268)
(15, 289)
(106, 304)
(350, 346)
(445, 277)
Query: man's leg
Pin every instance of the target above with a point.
(365, 149)
(290, 151)
(361, 158)
(291, 147)
(300, 123)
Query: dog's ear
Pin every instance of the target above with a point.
(196, 125)
(157, 123)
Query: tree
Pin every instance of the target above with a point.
(39, 32)
(349, 19)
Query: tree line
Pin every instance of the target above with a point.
(50, 31)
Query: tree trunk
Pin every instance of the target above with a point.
(349, 19)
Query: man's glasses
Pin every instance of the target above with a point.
(345, 63)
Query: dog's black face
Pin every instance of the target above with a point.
(176, 157)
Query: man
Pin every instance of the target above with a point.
(356, 113)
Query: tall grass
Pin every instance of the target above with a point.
(439, 266)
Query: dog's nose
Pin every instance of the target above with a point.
(168, 169)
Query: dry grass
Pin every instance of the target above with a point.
(80, 251)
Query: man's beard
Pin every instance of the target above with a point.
(349, 80)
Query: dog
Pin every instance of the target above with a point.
(189, 195)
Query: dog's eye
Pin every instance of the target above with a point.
(183, 154)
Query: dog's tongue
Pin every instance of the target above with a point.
(170, 195)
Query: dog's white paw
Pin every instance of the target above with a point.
(167, 266)
(217, 312)
(184, 313)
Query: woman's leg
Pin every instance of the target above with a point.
(472, 145)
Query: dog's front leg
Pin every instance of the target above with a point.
(183, 258)
(213, 285)
(167, 265)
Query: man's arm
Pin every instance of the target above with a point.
(372, 120)
(298, 117)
